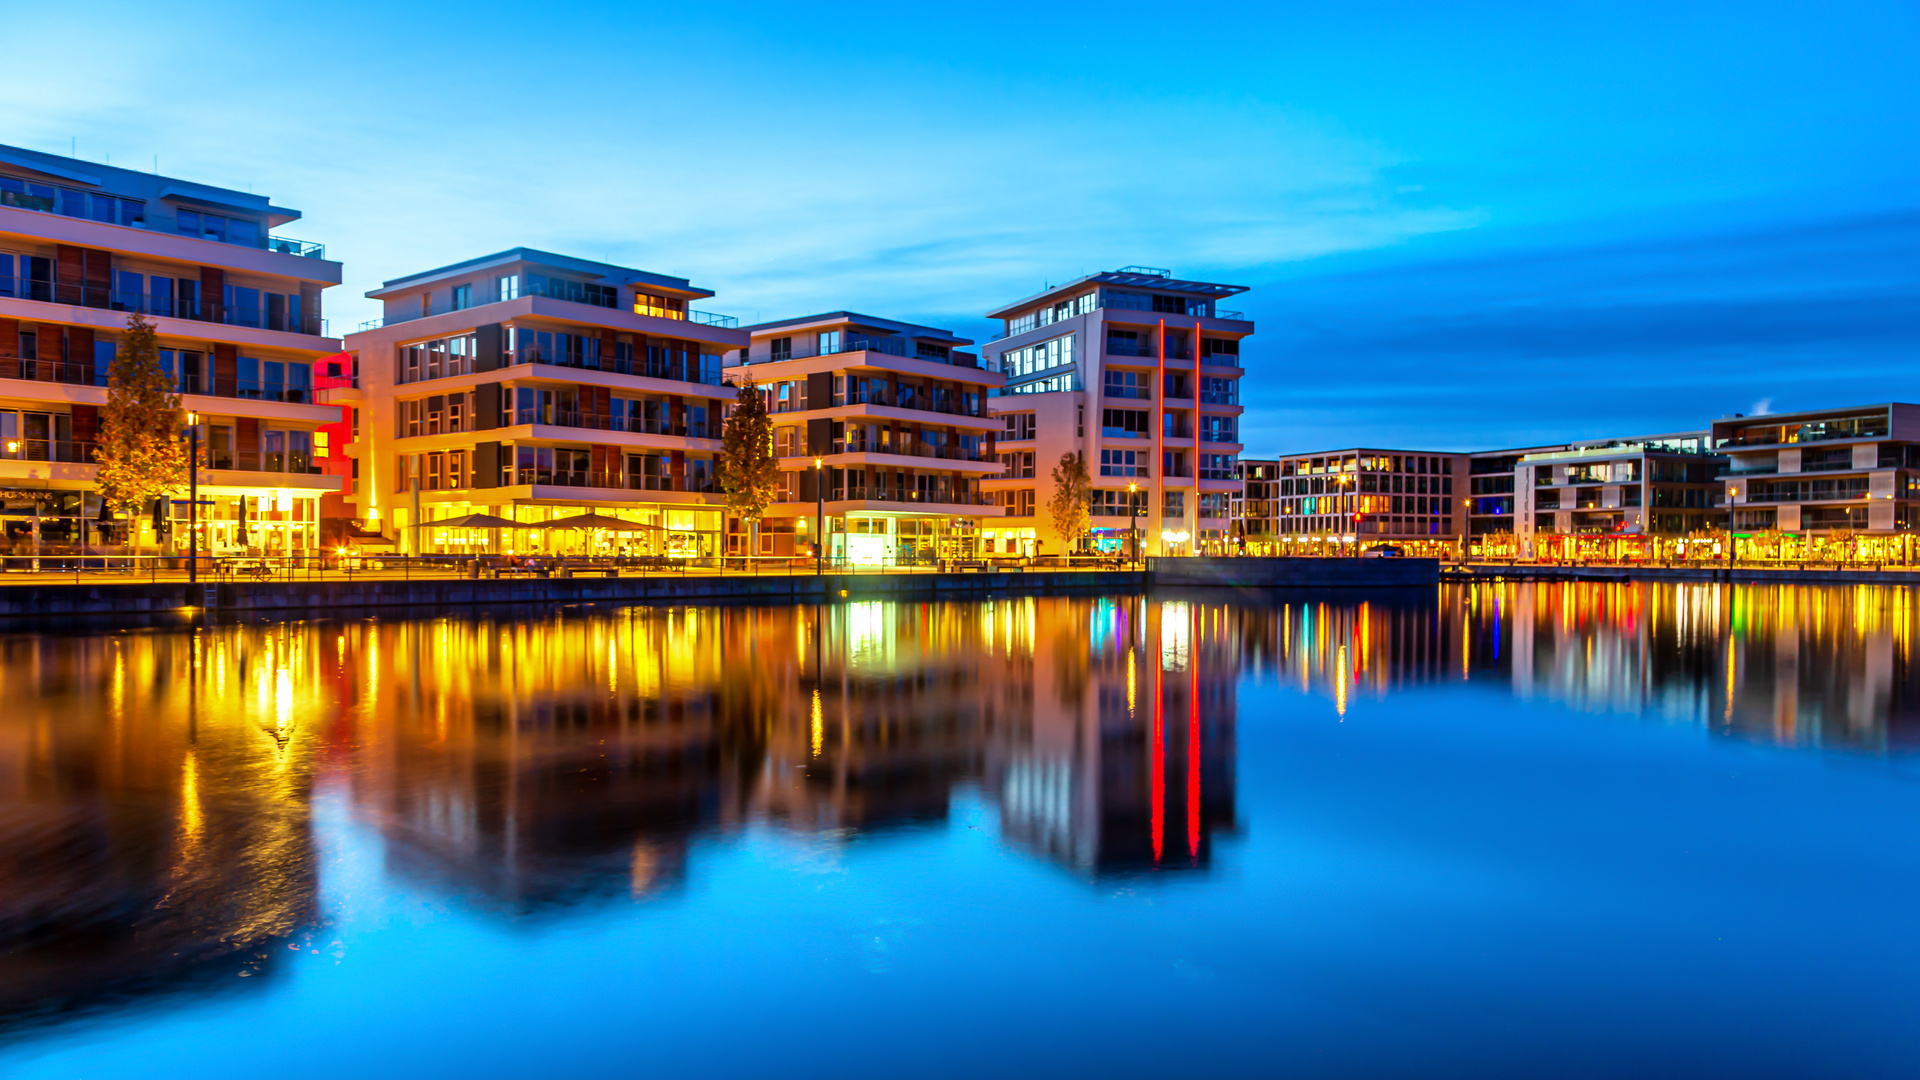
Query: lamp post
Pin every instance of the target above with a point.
(1133, 523)
(193, 498)
(819, 515)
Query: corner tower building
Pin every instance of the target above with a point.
(1140, 371)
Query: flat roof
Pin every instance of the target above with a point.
(1128, 277)
(914, 330)
(625, 275)
(142, 184)
(1808, 414)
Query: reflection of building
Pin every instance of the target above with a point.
(1814, 666)
(237, 313)
(529, 386)
(1140, 372)
(1645, 496)
(1830, 483)
(153, 843)
(895, 416)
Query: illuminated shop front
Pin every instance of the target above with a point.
(680, 532)
(1008, 543)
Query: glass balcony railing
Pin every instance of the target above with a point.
(635, 425)
(287, 245)
(52, 292)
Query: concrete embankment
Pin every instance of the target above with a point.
(136, 598)
(1740, 575)
(1293, 573)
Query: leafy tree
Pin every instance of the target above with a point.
(749, 473)
(1072, 490)
(138, 453)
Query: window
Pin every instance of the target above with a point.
(828, 343)
(1124, 423)
(929, 351)
(1043, 356)
(1020, 427)
(1216, 466)
(1128, 384)
(1173, 463)
(1017, 465)
(1174, 504)
(1219, 347)
(661, 307)
(507, 286)
(1123, 462)
(1219, 429)
(781, 348)
(437, 359)
(462, 297)
(242, 231)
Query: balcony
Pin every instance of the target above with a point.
(1118, 302)
(921, 450)
(617, 479)
(932, 403)
(633, 425)
(442, 302)
(133, 213)
(50, 292)
(900, 495)
(672, 365)
(81, 452)
(86, 374)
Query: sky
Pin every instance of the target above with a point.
(1462, 226)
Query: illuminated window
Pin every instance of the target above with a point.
(662, 307)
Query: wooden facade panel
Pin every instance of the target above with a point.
(226, 370)
(246, 442)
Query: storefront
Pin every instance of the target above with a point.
(1007, 542)
(681, 532)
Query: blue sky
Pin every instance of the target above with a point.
(1465, 225)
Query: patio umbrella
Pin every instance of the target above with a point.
(474, 521)
(596, 521)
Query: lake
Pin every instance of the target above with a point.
(1544, 829)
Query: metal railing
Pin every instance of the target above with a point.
(92, 296)
(942, 453)
(612, 479)
(636, 425)
(287, 245)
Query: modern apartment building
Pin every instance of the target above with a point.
(1331, 500)
(238, 313)
(1826, 481)
(1491, 532)
(882, 427)
(1645, 496)
(533, 386)
(1140, 371)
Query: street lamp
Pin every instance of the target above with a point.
(819, 515)
(1133, 522)
(193, 498)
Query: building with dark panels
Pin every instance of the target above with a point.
(532, 386)
(1331, 500)
(1824, 482)
(1649, 497)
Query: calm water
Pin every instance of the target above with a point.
(1556, 830)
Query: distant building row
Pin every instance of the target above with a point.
(1818, 483)
(526, 386)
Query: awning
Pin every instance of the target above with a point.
(474, 521)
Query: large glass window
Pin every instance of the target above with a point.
(1039, 357)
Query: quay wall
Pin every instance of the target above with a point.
(1295, 572)
(130, 598)
(1739, 575)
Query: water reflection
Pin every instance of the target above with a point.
(156, 831)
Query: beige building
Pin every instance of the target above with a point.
(1648, 496)
(882, 430)
(1140, 371)
(532, 386)
(237, 310)
(1825, 483)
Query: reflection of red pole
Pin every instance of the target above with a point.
(1193, 738)
(1158, 780)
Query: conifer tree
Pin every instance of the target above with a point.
(749, 470)
(139, 454)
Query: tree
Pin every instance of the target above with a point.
(749, 471)
(1071, 492)
(138, 453)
